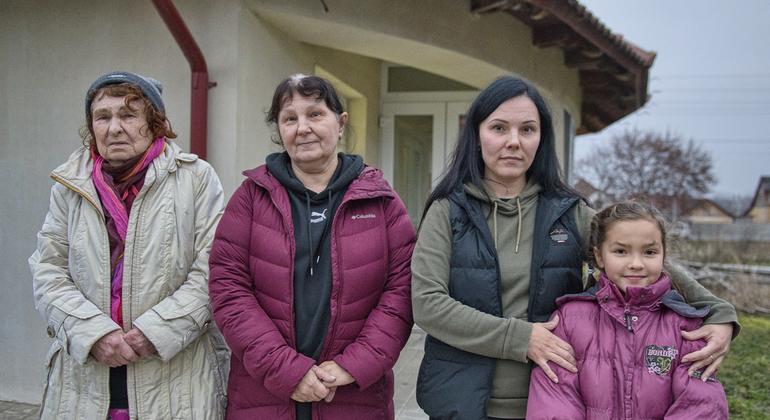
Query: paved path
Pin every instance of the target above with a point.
(404, 400)
(17, 411)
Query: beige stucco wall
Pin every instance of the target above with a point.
(52, 50)
(439, 36)
(362, 74)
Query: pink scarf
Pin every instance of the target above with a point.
(115, 206)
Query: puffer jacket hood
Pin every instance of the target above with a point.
(164, 291)
(628, 349)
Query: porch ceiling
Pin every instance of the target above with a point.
(340, 31)
(613, 71)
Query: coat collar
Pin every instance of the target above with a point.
(77, 170)
(651, 297)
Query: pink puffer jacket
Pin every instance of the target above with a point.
(628, 350)
(251, 292)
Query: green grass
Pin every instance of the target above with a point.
(746, 371)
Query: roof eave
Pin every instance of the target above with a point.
(613, 72)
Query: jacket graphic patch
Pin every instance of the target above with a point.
(559, 235)
(658, 359)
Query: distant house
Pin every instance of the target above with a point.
(759, 210)
(703, 210)
(596, 197)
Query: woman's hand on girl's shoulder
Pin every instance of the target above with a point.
(545, 346)
(711, 356)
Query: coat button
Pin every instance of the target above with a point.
(206, 325)
(51, 333)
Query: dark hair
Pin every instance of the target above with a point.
(307, 86)
(467, 163)
(622, 211)
(157, 122)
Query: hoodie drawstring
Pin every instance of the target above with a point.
(310, 230)
(518, 228)
(494, 222)
(315, 255)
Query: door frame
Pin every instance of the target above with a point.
(387, 129)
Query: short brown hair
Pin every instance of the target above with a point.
(622, 211)
(307, 86)
(157, 122)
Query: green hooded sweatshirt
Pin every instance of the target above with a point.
(506, 338)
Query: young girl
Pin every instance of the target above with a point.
(626, 334)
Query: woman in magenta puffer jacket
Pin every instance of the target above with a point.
(310, 273)
(626, 333)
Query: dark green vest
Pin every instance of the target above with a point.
(455, 384)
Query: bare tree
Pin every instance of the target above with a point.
(662, 168)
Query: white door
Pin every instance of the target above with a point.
(417, 138)
(455, 120)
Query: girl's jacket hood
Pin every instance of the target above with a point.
(613, 301)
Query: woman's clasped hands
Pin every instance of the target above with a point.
(118, 348)
(321, 382)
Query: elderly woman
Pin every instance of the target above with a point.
(120, 272)
(310, 278)
(501, 238)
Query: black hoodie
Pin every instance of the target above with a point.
(312, 214)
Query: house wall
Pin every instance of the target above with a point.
(57, 50)
(759, 214)
(53, 50)
(472, 49)
(708, 214)
(760, 210)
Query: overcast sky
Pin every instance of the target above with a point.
(710, 81)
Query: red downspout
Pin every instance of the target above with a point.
(199, 93)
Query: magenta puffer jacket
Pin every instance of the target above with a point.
(628, 350)
(251, 286)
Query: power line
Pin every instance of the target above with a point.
(716, 101)
(714, 76)
(710, 89)
(703, 114)
(734, 141)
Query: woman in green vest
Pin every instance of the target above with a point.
(501, 238)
